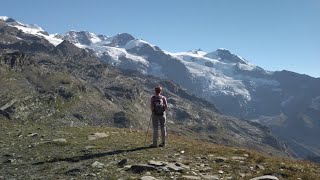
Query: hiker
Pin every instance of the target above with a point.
(158, 108)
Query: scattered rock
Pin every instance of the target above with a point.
(148, 178)
(90, 147)
(96, 136)
(220, 172)
(92, 175)
(206, 169)
(127, 167)
(32, 134)
(173, 167)
(122, 162)
(147, 174)
(59, 140)
(139, 168)
(74, 172)
(258, 166)
(97, 164)
(191, 177)
(210, 177)
(182, 152)
(19, 134)
(220, 159)
(8, 155)
(178, 167)
(238, 158)
(32, 145)
(9, 161)
(182, 165)
(157, 163)
(267, 177)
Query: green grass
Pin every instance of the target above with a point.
(38, 158)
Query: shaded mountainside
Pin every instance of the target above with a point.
(69, 86)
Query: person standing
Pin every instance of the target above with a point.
(158, 108)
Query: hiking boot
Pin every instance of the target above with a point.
(162, 145)
(153, 146)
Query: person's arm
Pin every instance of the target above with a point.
(165, 103)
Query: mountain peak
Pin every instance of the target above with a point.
(7, 19)
(80, 37)
(136, 43)
(67, 48)
(225, 55)
(197, 51)
(121, 39)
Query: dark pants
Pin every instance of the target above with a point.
(156, 120)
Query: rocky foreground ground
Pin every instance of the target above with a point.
(34, 151)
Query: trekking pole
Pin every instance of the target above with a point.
(145, 140)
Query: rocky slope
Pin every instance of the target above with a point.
(37, 151)
(66, 85)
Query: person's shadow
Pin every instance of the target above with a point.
(92, 156)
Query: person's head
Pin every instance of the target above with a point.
(158, 89)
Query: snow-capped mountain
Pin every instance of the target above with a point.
(285, 101)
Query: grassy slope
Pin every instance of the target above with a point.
(36, 158)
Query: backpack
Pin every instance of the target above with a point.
(158, 105)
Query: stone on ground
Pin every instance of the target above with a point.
(267, 177)
(139, 168)
(210, 177)
(122, 162)
(157, 163)
(191, 177)
(59, 140)
(97, 164)
(97, 135)
(148, 178)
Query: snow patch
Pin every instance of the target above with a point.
(246, 67)
(156, 70)
(136, 43)
(287, 101)
(94, 38)
(4, 18)
(315, 104)
(115, 53)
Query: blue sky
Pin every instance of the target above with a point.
(273, 34)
